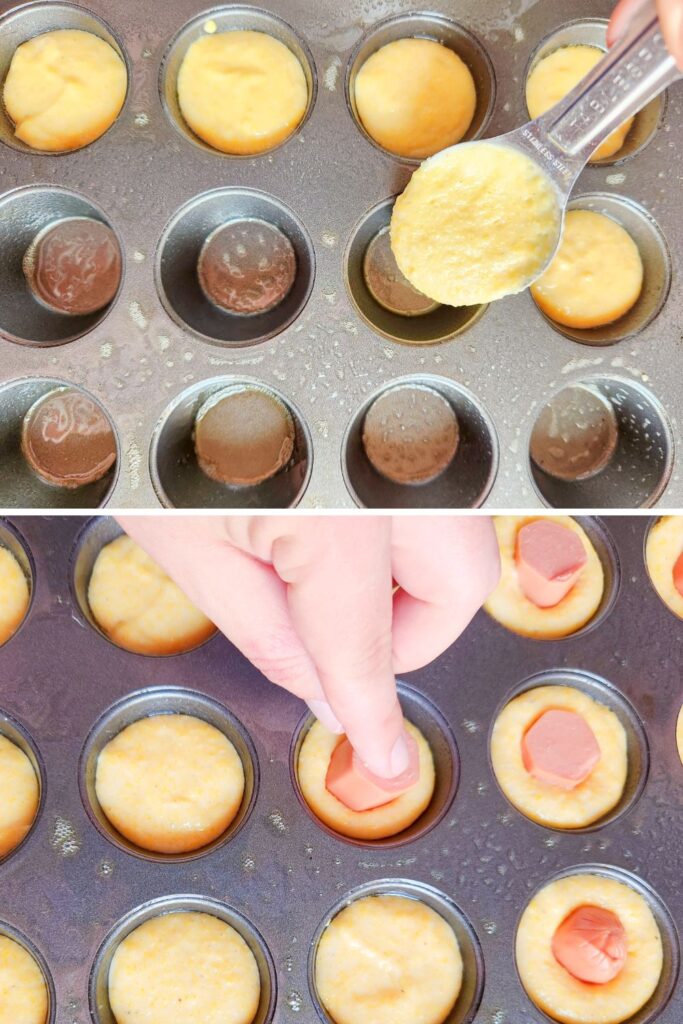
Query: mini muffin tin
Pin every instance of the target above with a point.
(74, 888)
(329, 345)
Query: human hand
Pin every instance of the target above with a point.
(670, 13)
(309, 601)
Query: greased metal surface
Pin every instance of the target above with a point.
(279, 872)
(150, 181)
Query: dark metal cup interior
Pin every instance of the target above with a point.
(33, 19)
(465, 483)
(166, 700)
(17, 734)
(665, 923)
(438, 325)
(9, 932)
(427, 25)
(23, 214)
(98, 988)
(470, 994)
(640, 467)
(178, 479)
(11, 539)
(238, 17)
(593, 32)
(602, 692)
(656, 260)
(179, 250)
(20, 487)
(419, 710)
(90, 540)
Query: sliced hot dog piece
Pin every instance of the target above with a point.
(591, 944)
(550, 558)
(358, 788)
(560, 749)
(678, 574)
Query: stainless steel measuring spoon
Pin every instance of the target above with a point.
(635, 70)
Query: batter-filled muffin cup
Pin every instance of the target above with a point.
(552, 579)
(15, 594)
(589, 949)
(664, 559)
(20, 790)
(64, 89)
(138, 606)
(24, 997)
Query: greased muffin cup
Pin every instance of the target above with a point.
(339, 334)
(75, 888)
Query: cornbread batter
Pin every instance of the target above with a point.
(23, 992)
(377, 823)
(14, 594)
(552, 987)
(64, 89)
(410, 434)
(476, 222)
(20, 796)
(184, 966)
(572, 803)
(663, 550)
(388, 960)
(241, 92)
(508, 603)
(73, 266)
(67, 439)
(138, 606)
(170, 783)
(555, 75)
(415, 97)
(243, 436)
(596, 275)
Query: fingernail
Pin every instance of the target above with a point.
(399, 759)
(324, 713)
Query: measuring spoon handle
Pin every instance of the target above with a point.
(635, 70)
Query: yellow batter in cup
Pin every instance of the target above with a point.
(415, 97)
(14, 594)
(23, 992)
(242, 92)
(19, 795)
(64, 89)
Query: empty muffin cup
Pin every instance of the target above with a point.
(443, 30)
(420, 442)
(603, 442)
(98, 992)
(603, 692)
(385, 299)
(469, 997)
(656, 261)
(419, 710)
(238, 17)
(58, 446)
(230, 443)
(593, 32)
(13, 731)
(166, 700)
(33, 19)
(235, 266)
(8, 931)
(61, 265)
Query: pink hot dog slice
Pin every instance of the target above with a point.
(550, 558)
(560, 749)
(678, 574)
(591, 944)
(358, 788)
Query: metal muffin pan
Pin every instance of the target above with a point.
(153, 181)
(73, 890)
